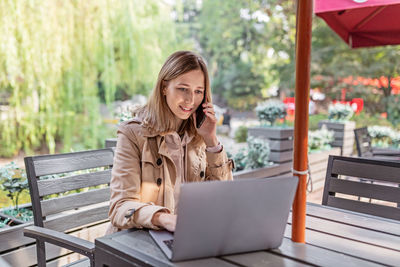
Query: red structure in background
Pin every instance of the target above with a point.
(289, 103)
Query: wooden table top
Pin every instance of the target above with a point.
(334, 237)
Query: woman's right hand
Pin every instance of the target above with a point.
(164, 220)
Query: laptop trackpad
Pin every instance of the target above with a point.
(164, 240)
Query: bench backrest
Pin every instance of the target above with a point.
(349, 180)
(363, 142)
(70, 190)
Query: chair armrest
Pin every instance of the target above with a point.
(70, 242)
(386, 152)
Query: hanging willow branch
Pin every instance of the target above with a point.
(58, 57)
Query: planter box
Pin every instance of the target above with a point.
(318, 163)
(111, 142)
(280, 141)
(269, 171)
(15, 221)
(343, 134)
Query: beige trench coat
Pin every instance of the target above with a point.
(142, 181)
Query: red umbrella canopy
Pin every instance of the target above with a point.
(362, 23)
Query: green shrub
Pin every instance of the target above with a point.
(320, 139)
(271, 110)
(257, 154)
(241, 134)
(240, 159)
(4, 222)
(383, 136)
(313, 120)
(372, 119)
(340, 112)
(13, 181)
(393, 109)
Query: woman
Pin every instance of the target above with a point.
(161, 148)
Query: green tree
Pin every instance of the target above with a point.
(60, 59)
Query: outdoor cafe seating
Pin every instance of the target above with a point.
(341, 230)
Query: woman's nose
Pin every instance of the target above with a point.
(189, 97)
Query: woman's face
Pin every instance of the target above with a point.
(185, 93)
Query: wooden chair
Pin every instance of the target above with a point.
(85, 177)
(343, 184)
(365, 149)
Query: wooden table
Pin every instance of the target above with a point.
(334, 237)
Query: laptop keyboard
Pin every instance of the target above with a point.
(169, 243)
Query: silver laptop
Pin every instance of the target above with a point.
(225, 217)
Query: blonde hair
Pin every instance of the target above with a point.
(156, 114)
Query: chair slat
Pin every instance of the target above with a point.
(79, 218)
(59, 185)
(384, 171)
(73, 201)
(68, 162)
(364, 207)
(362, 189)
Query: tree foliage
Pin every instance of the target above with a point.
(59, 59)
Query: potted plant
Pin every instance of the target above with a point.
(339, 122)
(14, 182)
(253, 161)
(279, 137)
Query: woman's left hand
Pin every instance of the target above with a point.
(208, 130)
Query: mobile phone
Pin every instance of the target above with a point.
(200, 116)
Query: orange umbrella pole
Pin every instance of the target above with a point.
(300, 156)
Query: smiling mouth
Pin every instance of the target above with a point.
(186, 109)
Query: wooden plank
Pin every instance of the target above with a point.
(319, 166)
(264, 172)
(26, 256)
(281, 156)
(353, 218)
(13, 237)
(280, 145)
(352, 232)
(271, 133)
(348, 247)
(343, 134)
(318, 256)
(357, 188)
(64, 184)
(71, 220)
(71, 260)
(111, 142)
(364, 207)
(73, 201)
(262, 258)
(363, 168)
(337, 125)
(69, 162)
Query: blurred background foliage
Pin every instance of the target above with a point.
(59, 60)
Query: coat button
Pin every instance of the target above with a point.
(159, 181)
(159, 161)
(202, 174)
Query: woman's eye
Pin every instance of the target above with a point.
(199, 92)
(181, 89)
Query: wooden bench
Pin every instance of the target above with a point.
(346, 180)
(67, 203)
